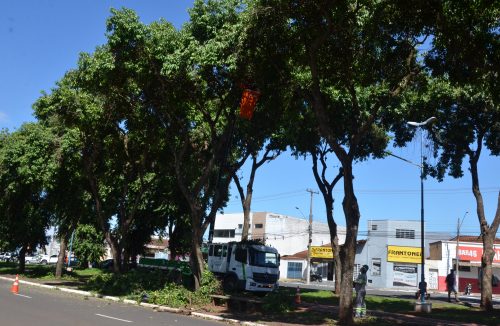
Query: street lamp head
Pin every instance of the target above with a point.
(427, 122)
(300, 211)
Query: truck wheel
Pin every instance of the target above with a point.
(230, 284)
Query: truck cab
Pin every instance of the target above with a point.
(246, 266)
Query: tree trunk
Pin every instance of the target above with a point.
(126, 260)
(196, 258)
(488, 234)
(115, 251)
(348, 251)
(62, 254)
(337, 267)
(246, 217)
(22, 262)
(334, 240)
(486, 266)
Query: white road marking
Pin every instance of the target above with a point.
(21, 295)
(127, 321)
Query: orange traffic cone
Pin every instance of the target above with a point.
(15, 286)
(297, 296)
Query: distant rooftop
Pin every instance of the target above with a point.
(472, 238)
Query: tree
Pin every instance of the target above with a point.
(27, 163)
(464, 96)
(114, 144)
(246, 198)
(348, 62)
(88, 244)
(66, 211)
(189, 83)
(304, 139)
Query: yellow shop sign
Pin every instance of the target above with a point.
(321, 252)
(404, 254)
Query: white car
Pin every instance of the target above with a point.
(32, 259)
(9, 257)
(46, 259)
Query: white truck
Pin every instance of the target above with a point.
(248, 266)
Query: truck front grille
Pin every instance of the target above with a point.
(265, 278)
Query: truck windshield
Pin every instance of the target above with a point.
(263, 259)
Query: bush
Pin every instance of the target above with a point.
(158, 286)
(175, 295)
(278, 301)
(132, 283)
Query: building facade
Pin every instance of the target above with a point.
(392, 251)
(470, 249)
(288, 234)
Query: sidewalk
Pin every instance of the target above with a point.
(255, 319)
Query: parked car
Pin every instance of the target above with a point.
(73, 261)
(32, 259)
(46, 259)
(9, 257)
(106, 264)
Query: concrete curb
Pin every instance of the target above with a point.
(132, 302)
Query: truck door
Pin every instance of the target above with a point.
(239, 263)
(217, 258)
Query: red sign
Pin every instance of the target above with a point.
(475, 253)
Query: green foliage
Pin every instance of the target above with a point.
(278, 301)
(171, 295)
(174, 295)
(88, 243)
(159, 286)
(27, 164)
(132, 283)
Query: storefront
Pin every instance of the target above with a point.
(470, 251)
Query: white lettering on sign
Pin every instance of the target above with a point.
(468, 253)
(475, 253)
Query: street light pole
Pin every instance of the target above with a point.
(457, 256)
(422, 285)
(308, 271)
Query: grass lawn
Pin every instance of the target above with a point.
(46, 272)
(440, 310)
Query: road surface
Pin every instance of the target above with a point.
(45, 307)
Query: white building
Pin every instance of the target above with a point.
(443, 255)
(288, 234)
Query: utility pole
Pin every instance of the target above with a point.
(457, 259)
(308, 270)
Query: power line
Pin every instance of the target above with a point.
(440, 191)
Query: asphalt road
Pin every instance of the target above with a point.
(45, 307)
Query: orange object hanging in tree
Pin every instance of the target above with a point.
(248, 102)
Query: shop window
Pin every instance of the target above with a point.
(294, 270)
(224, 233)
(405, 234)
(355, 271)
(376, 266)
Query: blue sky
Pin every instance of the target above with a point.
(40, 40)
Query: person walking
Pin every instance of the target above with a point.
(360, 287)
(451, 285)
